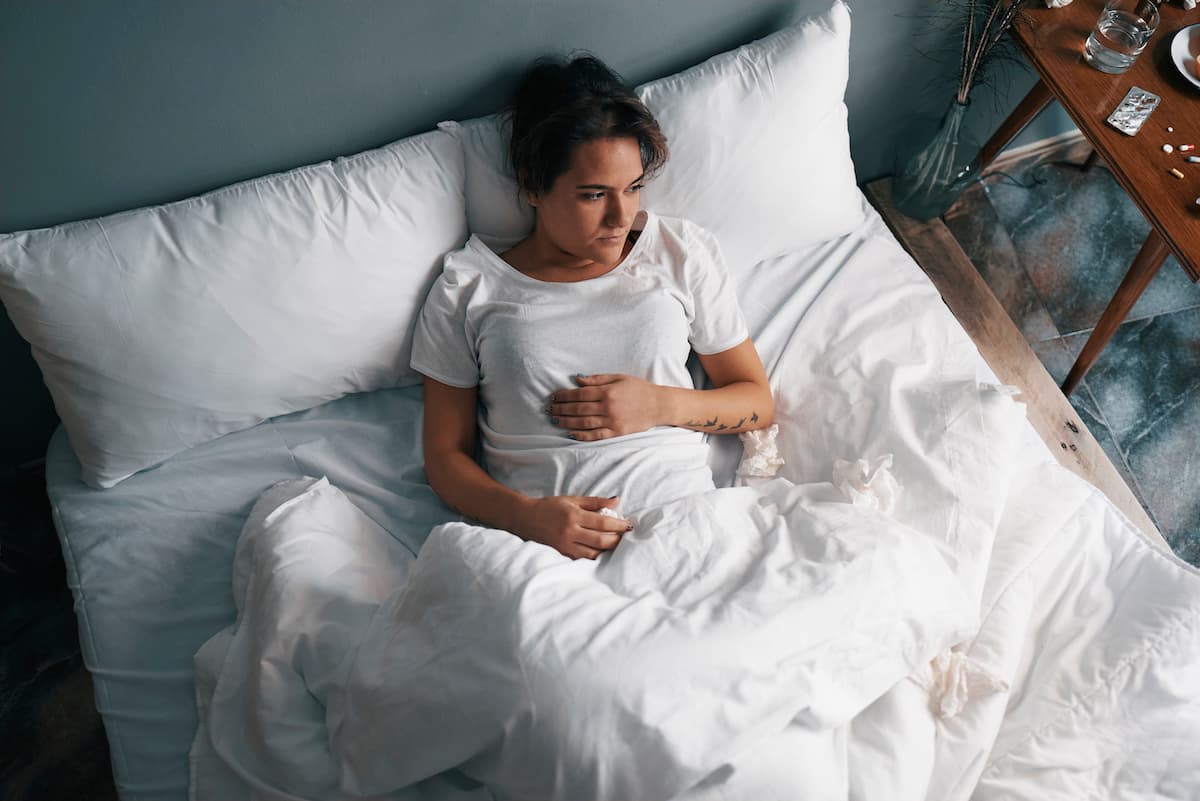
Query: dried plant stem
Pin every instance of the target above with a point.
(977, 43)
(968, 34)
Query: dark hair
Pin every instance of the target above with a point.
(563, 103)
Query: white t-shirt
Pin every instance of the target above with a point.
(518, 339)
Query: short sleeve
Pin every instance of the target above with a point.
(443, 344)
(716, 322)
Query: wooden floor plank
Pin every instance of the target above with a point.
(1008, 354)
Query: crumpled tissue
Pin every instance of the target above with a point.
(760, 452)
(952, 678)
(606, 512)
(866, 483)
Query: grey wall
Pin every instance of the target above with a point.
(113, 104)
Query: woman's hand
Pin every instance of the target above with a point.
(572, 525)
(604, 406)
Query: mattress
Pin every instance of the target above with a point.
(149, 561)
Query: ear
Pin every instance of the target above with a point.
(532, 199)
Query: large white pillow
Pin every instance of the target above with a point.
(760, 153)
(161, 328)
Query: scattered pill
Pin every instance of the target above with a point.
(1198, 201)
(1170, 129)
(1168, 149)
(1176, 173)
(1186, 148)
(1194, 159)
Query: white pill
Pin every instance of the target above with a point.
(1170, 129)
(1168, 149)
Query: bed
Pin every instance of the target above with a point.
(1078, 677)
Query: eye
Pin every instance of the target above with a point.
(636, 188)
(592, 195)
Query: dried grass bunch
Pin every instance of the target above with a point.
(975, 31)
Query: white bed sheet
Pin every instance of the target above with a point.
(149, 561)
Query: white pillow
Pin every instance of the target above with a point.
(760, 154)
(161, 328)
(496, 211)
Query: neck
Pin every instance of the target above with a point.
(537, 256)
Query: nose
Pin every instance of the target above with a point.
(621, 209)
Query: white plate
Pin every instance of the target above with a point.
(1184, 49)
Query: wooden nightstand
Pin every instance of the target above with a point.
(1053, 44)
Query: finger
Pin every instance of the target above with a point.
(596, 380)
(600, 540)
(577, 395)
(606, 524)
(578, 551)
(575, 409)
(594, 503)
(581, 423)
(591, 435)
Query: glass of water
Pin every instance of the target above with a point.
(1121, 34)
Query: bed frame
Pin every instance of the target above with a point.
(1005, 350)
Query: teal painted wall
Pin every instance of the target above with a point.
(114, 104)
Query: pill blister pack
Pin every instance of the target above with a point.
(1133, 110)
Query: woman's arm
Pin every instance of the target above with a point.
(572, 525)
(614, 404)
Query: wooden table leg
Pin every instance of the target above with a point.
(1038, 98)
(1145, 266)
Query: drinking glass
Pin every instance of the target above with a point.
(1120, 34)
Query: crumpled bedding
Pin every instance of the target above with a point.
(1030, 642)
(775, 639)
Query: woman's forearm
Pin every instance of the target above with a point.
(468, 489)
(733, 408)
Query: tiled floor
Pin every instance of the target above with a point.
(1053, 242)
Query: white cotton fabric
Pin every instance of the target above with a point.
(518, 339)
(162, 328)
(713, 626)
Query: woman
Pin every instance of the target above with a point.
(572, 346)
(716, 654)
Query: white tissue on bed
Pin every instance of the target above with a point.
(606, 512)
(760, 452)
(1057, 3)
(868, 483)
(952, 678)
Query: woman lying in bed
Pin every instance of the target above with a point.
(725, 614)
(573, 344)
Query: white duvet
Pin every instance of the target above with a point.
(1002, 633)
(748, 642)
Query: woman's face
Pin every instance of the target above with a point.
(586, 215)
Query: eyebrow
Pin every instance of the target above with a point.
(605, 186)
